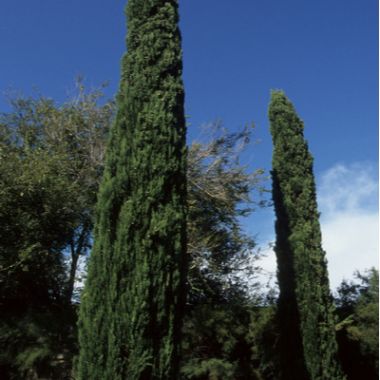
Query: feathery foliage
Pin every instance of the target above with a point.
(132, 304)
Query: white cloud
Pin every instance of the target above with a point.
(268, 265)
(347, 188)
(348, 196)
(348, 201)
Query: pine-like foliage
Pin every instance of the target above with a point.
(131, 310)
(305, 310)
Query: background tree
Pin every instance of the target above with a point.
(308, 344)
(222, 257)
(51, 157)
(36, 221)
(263, 336)
(131, 309)
(221, 191)
(358, 327)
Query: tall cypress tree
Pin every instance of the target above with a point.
(308, 344)
(132, 305)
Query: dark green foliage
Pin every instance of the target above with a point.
(263, 337)
(215, 345)
(132, 304)
(358, 327)
(36, 221)
(308, 344)
(49, 165)
(51, 159)
(37, 344)
(36, 217)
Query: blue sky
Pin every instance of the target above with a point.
(323, 54)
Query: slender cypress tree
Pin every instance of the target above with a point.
(308, 344)
(132, 306)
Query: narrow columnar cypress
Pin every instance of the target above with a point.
(132, 304)
(308, 345)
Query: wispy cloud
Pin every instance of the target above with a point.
(348, 199)
(348, 188)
